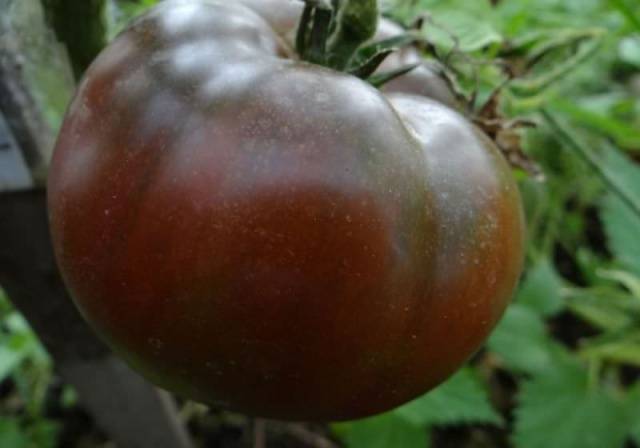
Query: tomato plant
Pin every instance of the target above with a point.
(272, 236)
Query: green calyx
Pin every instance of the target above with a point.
(331, 31)
(356, 21)
(337, 34)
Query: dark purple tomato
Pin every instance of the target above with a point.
(274, 237)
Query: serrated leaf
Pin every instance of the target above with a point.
(472, 34)
(558, 410)
(462, 399)
(521, 340)
(540, 290)
(383, 431)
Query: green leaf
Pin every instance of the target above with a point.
(16, 323)
(383, 431)
(541, 289)
(621, 225)
(10, 359)
(521, 340)
(356, 22)
(632, 16)
(41, 433)
(623, 134)
(559, 410)
(472, 34)
(44, 434)
(630, 50)
(18, 344)
(619, 352)
(620, 221)
(462, 399)
(627, 173)
(11, 434)
(633, 411)
(606, 312)
(613, 168)
(369, 57)
(379, 79)
(120, 13)
(536, 84)
(627, 279)
(622, 346)
(15, 349)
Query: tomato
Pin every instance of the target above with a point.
(270, 236)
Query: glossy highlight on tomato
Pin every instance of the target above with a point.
(259, 233)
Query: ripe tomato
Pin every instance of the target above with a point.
(271, 236)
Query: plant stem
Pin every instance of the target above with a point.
(530, 87)
(356, 23)
(303, 30)
(595, 367)
(259, 433)
(81, 25)
(330, 32)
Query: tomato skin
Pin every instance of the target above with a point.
(271, 236)
(282, 15)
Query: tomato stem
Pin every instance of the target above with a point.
(356, 23)
(337, 34)
(317, 51)
(303, 29)
(330, 33)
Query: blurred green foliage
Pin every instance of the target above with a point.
(26, 373)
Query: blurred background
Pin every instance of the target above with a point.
(562, 79)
